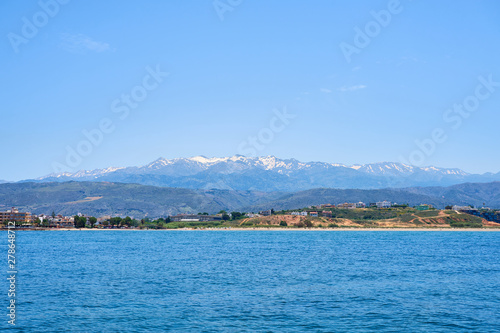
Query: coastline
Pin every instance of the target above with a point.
(276, 229)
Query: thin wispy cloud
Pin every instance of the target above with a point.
(352, 88)
(405, 60)
(81, 43)
(325, 90)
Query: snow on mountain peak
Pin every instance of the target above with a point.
(84, 173)
(237, 163)
(200, 159)
(159, 163)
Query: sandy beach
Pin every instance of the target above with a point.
(276, 229)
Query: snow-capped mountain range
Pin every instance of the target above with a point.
(270, 173)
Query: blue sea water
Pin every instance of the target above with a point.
(255, 281)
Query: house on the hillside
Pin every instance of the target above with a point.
(384, 204)
(347, 205)
(360, 205)
(266, 212)
(327, 206)
(326, 213)
(461, 208)
(423, 207)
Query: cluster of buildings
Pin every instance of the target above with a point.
(195, 218)
(26, 219)
(57, 221)
(326, 213)
(350, 205)
(354, 205)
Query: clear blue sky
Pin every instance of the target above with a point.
(227, 76)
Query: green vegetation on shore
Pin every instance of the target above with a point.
(312, 217)
(396, 217)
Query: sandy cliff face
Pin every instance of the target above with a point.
(442, 220)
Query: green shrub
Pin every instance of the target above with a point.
(455, 224)
(308, 223)
(406, 218)
(427, 213)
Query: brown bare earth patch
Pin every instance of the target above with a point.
(87, 199)
(490, 224)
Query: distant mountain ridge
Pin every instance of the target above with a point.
(273, 174)
(105, 198)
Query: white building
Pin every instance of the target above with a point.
(455, 207)
(384, 204)
(360, 205)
